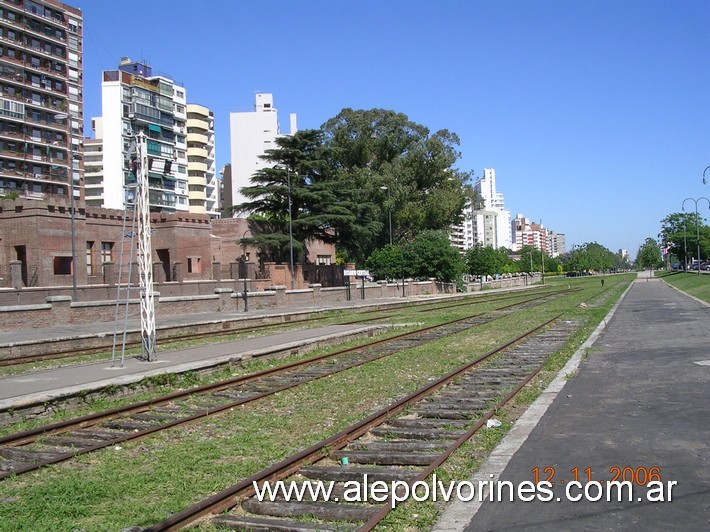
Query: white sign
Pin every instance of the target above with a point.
(358, 273)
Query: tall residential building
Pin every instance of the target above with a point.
(203, 188)
(487, 222)
(135, 100)
(493, 203)
(557, 243)
(251, 134)
(527, 233)
(41, 109)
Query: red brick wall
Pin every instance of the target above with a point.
(45, 229)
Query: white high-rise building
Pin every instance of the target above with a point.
(135, 100)
(251, 134)
(488, 222)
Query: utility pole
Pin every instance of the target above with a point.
(543, 247)
(290, 226)
(145, 251)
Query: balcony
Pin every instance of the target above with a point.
(193, 166)
(197, 195)
(197, 109)
(194, 123)
(197, 152)
(195, 180)
(197, 137)
(161, 200)
(40, 32)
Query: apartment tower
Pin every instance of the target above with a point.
(203, 187)
(41, 111)
(135, 100)
(251, 134)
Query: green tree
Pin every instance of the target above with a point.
(386, 262)
(680, 235)
(322, 206)
(430, 254)
(482, 260)
(401, 169)
(649, 254)
(534, 260)
(590, 257)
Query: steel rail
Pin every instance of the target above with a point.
(26, 437)
(307, 318)
(387, 508)
(230, 497)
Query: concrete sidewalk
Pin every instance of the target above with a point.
(38, 387)
(639, 400)
(134, 324)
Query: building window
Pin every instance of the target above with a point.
(323, 260)
(89, 258)
(106, 252)
(62, 266)
(194, 265)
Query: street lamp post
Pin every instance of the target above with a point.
(65, 116)
(705, 179)
(245, 259)
(389, 208)
(532, 248)
(543, 247)
(685, 249)
(697, 222)
(290, 224)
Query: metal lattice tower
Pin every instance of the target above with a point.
(145, 251)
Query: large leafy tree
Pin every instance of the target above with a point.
(649, 254)
(400, 169)
(321, 205)
(429, 255)
(387, 262)
(590, 257)
(347, 180)
(486, 260)
(680, 235)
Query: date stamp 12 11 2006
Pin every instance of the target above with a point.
(582, 483)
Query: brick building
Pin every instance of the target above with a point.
(36, 237)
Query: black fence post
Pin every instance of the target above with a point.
(246, 296)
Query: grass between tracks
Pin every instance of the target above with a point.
(691, 283)
(143, 482)
(113, 397)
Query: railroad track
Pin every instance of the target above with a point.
(50, 444)
(403, 442)
(248, 328)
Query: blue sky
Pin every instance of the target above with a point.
(594, 114)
